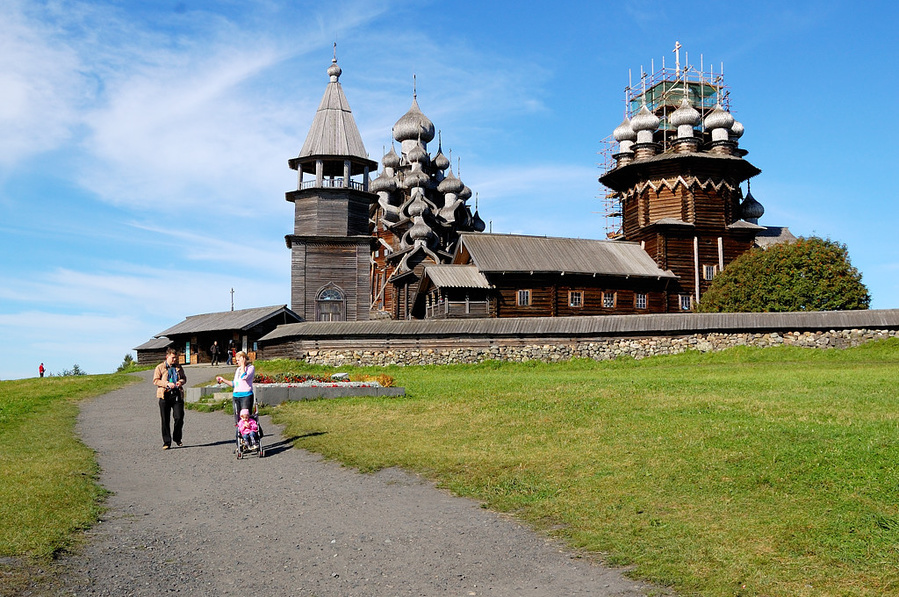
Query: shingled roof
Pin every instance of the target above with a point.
(333, 131)
(455, 276)
(518, 253)
(243, 319)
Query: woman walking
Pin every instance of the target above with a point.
(242, 384)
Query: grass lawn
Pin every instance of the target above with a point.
(49, 490)
(748, 472)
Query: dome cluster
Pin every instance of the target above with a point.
(420, 200)
(638, 137)
(641, 137)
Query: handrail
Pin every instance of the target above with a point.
(332, 183)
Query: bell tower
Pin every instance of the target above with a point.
(331, 242)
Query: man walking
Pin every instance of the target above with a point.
(169, 379)
(214, 353)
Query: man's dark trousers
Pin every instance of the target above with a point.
(171, 407)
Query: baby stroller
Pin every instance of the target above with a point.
(243, 448)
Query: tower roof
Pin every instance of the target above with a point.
(333, 131)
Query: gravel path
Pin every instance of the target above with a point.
(197, 521)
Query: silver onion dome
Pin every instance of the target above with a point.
(624, 132)
(645, 121)
(414, 125)
(391, 159)
(441, 161)
(685, 114)
(450, 184)
(334, 70)
(719, 118)
(417, 154)
(383, 182)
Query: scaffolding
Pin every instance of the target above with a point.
(661, 91)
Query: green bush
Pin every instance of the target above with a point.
(812, 274)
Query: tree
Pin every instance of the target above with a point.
(811, 274)
(127, 363)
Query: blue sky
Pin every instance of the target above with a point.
(144, 145)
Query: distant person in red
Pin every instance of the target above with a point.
(41, 369)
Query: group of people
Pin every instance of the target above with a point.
(169, 379)
(215, 351)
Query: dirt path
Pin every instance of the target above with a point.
(197, 521)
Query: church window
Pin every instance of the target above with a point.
(640, 300)
(608, 300)
(524, 298)
(708, 271)
(686, 302)
(576, 298)
(330, 305)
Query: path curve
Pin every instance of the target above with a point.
(197, 521)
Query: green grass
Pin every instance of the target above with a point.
(747, 472)
(49, 489)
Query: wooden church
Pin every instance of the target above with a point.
(407, 245)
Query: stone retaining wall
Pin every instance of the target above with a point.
(596, 348)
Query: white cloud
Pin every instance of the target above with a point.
(40, 86)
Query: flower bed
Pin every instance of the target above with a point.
(335, 380)
(281, 387)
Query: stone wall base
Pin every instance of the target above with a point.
(599, 349)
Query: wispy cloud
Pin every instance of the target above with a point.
(42, 89)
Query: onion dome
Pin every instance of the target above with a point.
(751, 210)
(645, 123)
(736, 130)
(719, 118)
(719, 122)
(391, 159)
(415, 178)
(685, 115)
(624, 132)
(450, 184)
(417, 154)
(417, 204)
(383, 182)
(420, 230)
(441, 161)
(334, 71)
(464, 194)
(477, 224)
(414, 125)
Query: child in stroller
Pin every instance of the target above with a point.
(248, 434)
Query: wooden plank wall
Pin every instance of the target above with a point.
(550, 295)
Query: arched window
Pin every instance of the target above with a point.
(330, 305)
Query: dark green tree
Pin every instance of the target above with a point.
(811, 274)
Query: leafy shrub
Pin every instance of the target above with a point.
(811, 274)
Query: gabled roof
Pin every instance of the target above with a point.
(333, 131)
(517, 253)
(154, 344)
(744, 225)
(243, 319)
(454, 276)
(773, 235)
